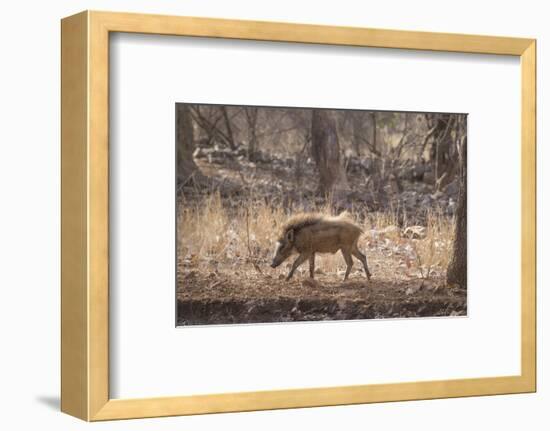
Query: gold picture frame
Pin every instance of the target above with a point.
(85, 220)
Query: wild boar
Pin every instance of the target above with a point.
(307, 234)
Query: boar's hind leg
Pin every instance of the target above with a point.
(299, 260)
(355, 251)
(312, 265)
(349, 262)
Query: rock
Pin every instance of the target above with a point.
(310, 282)
(415, 232)
(431, 286)
(426, 201)
(452, 188)
(411, 290)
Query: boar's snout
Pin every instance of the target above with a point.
(282, 251)
(277, 260)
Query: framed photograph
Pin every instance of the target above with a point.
(263, 215)
(270, 187)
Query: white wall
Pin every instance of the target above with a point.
(29, 219)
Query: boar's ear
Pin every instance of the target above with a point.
(290, 236)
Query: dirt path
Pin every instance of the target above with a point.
(225, 296)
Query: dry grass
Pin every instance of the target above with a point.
(213, 234)
(434, 251)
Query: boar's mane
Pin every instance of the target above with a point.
(300, 221)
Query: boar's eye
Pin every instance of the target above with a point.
(290, 236)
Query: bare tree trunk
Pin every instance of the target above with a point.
(229, 129)
(325, 150)
(185, 145)
(357, 131)
(456, 272)
(251, 115)
(441, 152)
(374, 138)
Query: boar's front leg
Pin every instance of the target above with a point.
(299, 260)
(312, 265)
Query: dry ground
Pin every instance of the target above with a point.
(227, 297)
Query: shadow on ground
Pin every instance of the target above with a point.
(50, 401)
